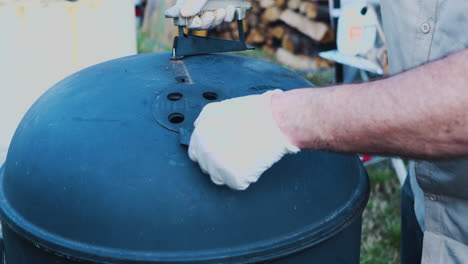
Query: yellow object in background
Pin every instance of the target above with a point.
(200, 33)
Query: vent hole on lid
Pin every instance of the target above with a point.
(174, 96)
(364, 11)
(176, 118)
(182, 79)
(210, 96)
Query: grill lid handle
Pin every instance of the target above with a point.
(189, 45)
(184, 136)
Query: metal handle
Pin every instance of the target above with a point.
(188, 45)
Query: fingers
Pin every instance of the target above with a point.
(192, 152)
(203, 167)
(210, 111)
(207, 19)
(216, 179)
(233, 181)
(220, 15)
(194, 148)
(174, 11)
(194, 22)
(230, 11)
(219, 173)
(192, 8)
(211, 19)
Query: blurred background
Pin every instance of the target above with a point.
(326, 41)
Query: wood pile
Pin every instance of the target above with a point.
(156, 26)
(292, 30)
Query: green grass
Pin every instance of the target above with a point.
(381, 221)
(257, 54)
(146, 44)
(320, 78)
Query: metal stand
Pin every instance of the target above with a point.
(336, 5)
(188, 45)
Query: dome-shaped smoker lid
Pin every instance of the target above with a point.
(95, 172)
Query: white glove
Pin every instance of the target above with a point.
(236, 140)
(201, 20)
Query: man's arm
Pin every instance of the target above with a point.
(421, 113)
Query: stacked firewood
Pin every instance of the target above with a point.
(292, 30)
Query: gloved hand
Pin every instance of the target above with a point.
(201, 20)
(236, 140)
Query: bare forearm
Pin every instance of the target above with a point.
(422, 113)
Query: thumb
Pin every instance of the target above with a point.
(174, 11)
(192, 7)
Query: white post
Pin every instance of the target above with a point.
(41, 42)
(400, 170)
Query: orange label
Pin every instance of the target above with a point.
(356, 32)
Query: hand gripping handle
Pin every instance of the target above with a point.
(241, 7)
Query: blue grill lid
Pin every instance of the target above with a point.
(96, 170)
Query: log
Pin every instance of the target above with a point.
(300, 62)
(252, 20)
(256, 8)
(308, 9)
(295, 42)
(295, 27)
(323, 63)
(329, 36)
(269, 42)
(294, 4)
(315, 30)
(291, 42)
(287, 44)
(280, 3)
(278, 32)
(323, 14)
(255, 37)
(269, 50)
(271, 14)
(267, 3)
